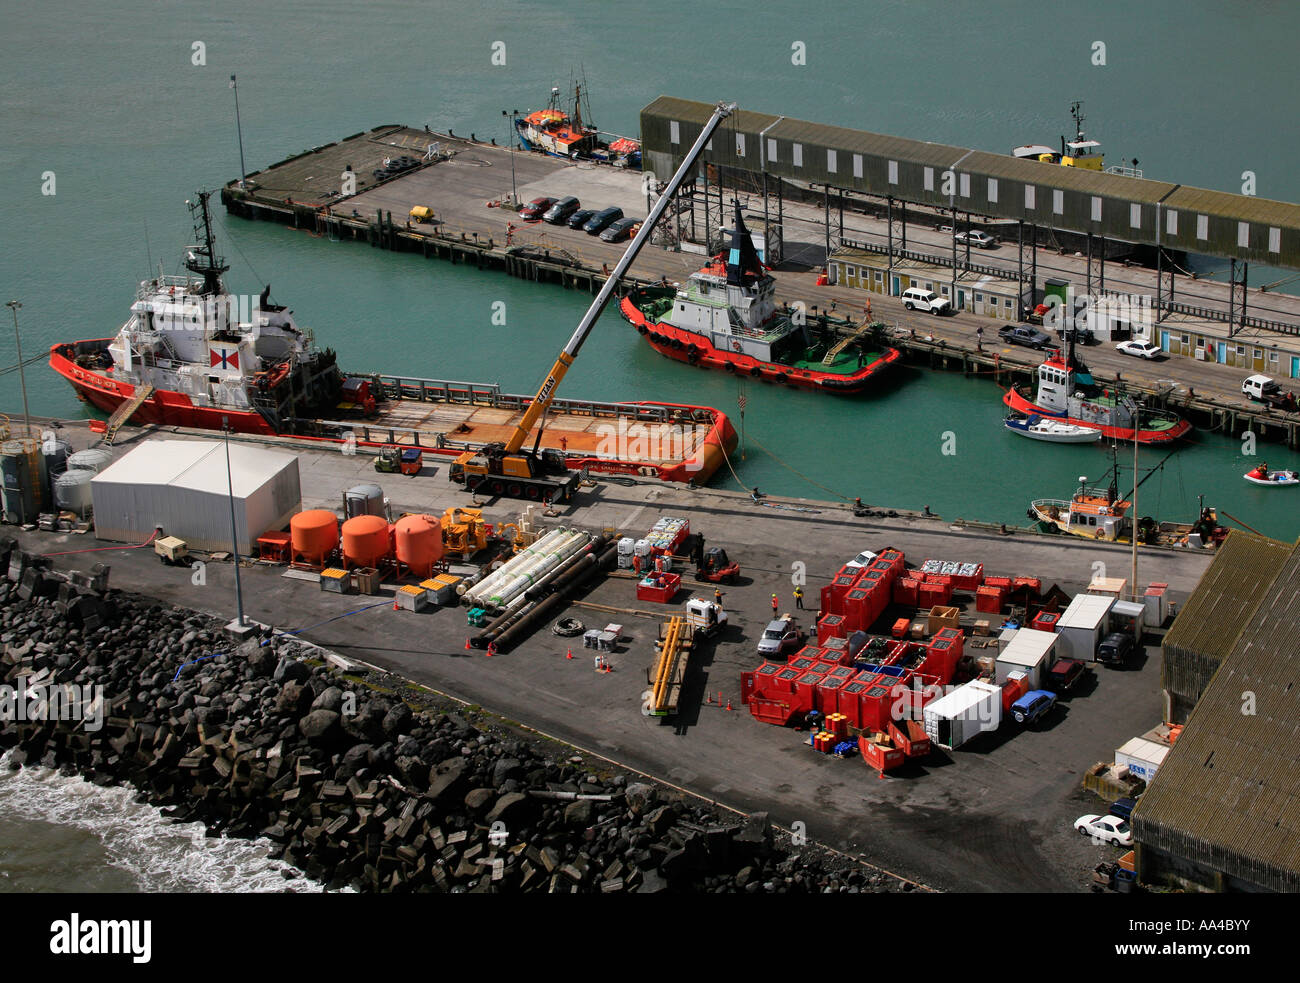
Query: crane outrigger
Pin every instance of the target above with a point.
(505, 468)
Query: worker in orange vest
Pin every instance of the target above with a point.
(774, 605)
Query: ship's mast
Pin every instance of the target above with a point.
(203, 259)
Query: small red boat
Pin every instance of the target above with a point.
(725, 317)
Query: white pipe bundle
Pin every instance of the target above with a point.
(481, 590)
(537, 568)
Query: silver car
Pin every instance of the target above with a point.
(976, 238)
(779, 637)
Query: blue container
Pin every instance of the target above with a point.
(892, 671)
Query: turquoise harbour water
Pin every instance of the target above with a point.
(106, 96)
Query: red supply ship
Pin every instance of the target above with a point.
(189, 357)
(725, 318)
(1067, 392)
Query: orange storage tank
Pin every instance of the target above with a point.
(418, 543)
(367, 539)
(313, 535)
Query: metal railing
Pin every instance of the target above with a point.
(1213, 314)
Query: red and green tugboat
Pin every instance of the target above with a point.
(725, 318)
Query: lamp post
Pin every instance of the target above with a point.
(14, 305)
(513, 116)
(243, 171)
(238, 626)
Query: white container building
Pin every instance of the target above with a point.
(182, 485)
(956, 717)
(1082, 626)
(1031, 652)
(1141, 757)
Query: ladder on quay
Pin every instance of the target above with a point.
(126, 411)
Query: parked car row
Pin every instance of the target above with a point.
(609, 223)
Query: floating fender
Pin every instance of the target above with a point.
(642, 329)
(756, 372)
(730, 366)
(693, 355)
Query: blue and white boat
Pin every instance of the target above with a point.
(1053, 431)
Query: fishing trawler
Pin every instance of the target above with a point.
(562, 132)
(1100, 513)
(1080, 152)
(1068, 393)
(725, 317)
(188, 356)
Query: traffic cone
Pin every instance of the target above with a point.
(396, 606)
(468, 646)
(728, 703)
(709, 701)
(568, 653)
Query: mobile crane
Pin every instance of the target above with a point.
(505, 468)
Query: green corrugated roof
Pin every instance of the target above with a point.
(1228, 793)
(1226, 597)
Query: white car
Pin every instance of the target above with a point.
(1108, 829)
(1139, 349)
(976, 238)
(914, 298)
(863, 559)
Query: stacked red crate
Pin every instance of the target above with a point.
(1045, 621)
(746, 687)
(804, 697)
(904, 591)
(1003, 582)
(804, 660)
(828, 698)
(835, 650)
(990, 599)
(1033, 584)
(851, 701)
(831, 626)
(783, 680)
(933, 595)
(876, 702)
(856, 609)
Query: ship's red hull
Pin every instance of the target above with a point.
(173, 409)
(1019, 403)
(695, 349)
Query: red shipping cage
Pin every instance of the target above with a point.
(851, 700)
(765, 679)
(768, 711)
(804, 686)
(938, 578)
(990, 599)
(824, 668)
(1003, 582)
(905, 591)
(894, 559)
(877, 601)
(1033, 584)
(844, 672)
(876, 703)
(1045, 621)
(852, 572)
(831, 626)
(783, 680)
(746, 686)
(828, 697)
(856, 609)
(835, 649)
(803, 661)
(933, 595)
(839, 587)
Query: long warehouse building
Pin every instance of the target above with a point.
(1133, 209)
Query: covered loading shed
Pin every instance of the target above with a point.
(183, 486)
(1082, 626)
(1031, 652)
(1223, 811)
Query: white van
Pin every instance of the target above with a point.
(1259, 388)
(915, 298)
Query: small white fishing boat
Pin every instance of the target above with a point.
(1055, 431)
(1262, 476)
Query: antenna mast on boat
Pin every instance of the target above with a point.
(203, 259)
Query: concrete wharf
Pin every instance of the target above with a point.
(457, 178)
(1009, 803)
